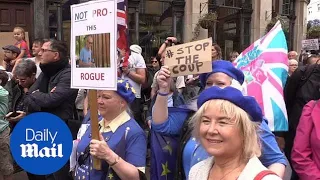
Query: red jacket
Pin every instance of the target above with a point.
(306, 149)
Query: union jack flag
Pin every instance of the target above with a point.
(122, 42)
(265, 65)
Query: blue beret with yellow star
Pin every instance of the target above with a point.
(233, 95)
(125, 90)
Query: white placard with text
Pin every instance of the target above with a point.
(93, 42)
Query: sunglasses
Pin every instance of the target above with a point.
(154, 61)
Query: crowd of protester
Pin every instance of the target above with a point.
(189, 127)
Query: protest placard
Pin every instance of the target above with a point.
(93, 45)
(310, 44)
(189, 58)
(93, 53)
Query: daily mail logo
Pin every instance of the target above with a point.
(32, 150)
(41, 143)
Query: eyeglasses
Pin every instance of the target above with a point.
(46, 50)
(154, 61)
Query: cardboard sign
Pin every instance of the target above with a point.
(310, 44)
(7, 39)
(189, 58)
(93, 45)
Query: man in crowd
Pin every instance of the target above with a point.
(313, 59)
(36, 48)
(25, 74)
(135, 73)
(10, 54)
(151, 71)
(293, 55)
(86, 53)
(51, 91)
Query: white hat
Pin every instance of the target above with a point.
(136, 48)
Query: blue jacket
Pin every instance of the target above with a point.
(270, 151)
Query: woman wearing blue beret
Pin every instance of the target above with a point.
(122, 146)
(226, 126)
(223, 74)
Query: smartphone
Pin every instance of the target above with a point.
(13, 114)
(170, 42)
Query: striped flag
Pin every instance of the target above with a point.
(122, 41)
(265, 65)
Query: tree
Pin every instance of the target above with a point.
(284, 24)
(313, 29)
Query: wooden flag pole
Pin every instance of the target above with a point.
(94, 123)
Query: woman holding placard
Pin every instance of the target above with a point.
(223, 74)
(226, 126)
(122, 146)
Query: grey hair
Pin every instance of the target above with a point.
(25, 68)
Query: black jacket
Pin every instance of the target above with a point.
(16, 94)
(60, 102)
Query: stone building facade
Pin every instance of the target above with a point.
(240, 22)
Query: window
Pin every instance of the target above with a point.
(229, 25)
(318, 7)
(246, 32)
(286, 7)
(309, 10)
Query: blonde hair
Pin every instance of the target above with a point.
(233, 53)
(248, 128)
(22, 32)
